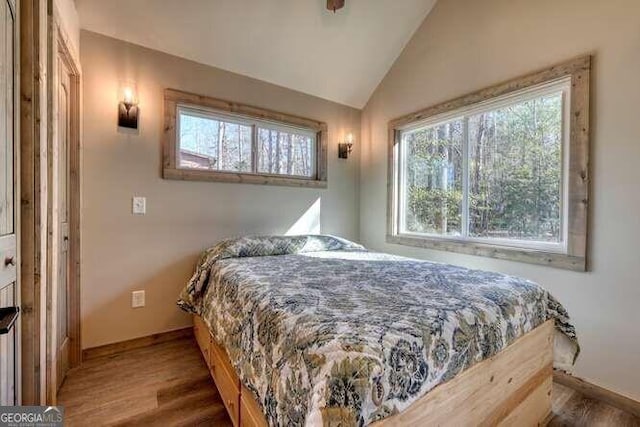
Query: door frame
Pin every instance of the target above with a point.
(60, 48)
(40, 33)
(32, 31)
(14, 8)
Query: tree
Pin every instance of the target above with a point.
(221, 131)
(289, 153)
(514, 173)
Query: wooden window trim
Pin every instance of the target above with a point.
(173, 98)
(575, 258)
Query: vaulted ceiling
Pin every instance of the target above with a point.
(297, 44)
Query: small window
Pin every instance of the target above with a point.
(286, 151)
(214, 140)
(494, 176)
(210, 142)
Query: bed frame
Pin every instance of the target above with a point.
(512, 388)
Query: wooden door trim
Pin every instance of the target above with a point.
(32, 20)
(60, 48)
(15, 11)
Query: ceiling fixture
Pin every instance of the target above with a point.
(334, 5)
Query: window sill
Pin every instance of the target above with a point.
(531, 256)
(245, 178)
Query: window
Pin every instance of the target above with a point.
(492, 175)
(493, 172)
(212, 142)
(209, 139)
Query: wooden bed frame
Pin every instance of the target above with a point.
(512, 388)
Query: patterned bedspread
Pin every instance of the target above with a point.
(325, 332)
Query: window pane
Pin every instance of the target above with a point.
(210, 143)
(432, 171)
(515, 171)
(285, 152)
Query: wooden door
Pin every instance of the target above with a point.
(62, 245)
(9, 291)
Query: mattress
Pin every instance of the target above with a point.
(323, 331)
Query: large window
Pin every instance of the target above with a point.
(209, 139)
(492, 175)
(493, 172)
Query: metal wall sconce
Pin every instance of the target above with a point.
(128, 108)
(334, 5)
(345, 148)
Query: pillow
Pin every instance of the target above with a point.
(253, 246)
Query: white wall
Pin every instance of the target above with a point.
(157, 252)
(465, 45)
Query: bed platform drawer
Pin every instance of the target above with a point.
(226, 381)
(250, 413)
(203, 337)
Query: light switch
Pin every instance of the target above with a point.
(139, 205)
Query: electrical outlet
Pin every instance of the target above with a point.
(137, 299)
(139, 205)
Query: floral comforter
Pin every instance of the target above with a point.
(324, 332)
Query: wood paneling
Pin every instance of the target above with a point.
(499, 252)
(579, 70)
(170, 170)
(250, 412)
(10, 281)
(7, 116)
(496, 387)
(534, 408)
(240, 178)
(33, 190)
(226, 381)
(220, 368)
(490, 391)
(203, 338)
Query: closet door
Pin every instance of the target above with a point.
(8, 255)
(62, 283)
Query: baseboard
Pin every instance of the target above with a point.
(119, 347)
(598, 393)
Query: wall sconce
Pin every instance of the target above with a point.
(345, 148)
(334, 5)
(128, 107)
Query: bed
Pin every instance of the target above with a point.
(316, 330)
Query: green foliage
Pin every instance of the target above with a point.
(430, 208)
(514, 173)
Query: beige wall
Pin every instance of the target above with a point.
(465, 45)
(69, 22)
(157, 252)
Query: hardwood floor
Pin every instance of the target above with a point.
(571, 408)
(167, 384)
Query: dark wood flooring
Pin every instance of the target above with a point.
(168, 384)
(571, 408)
